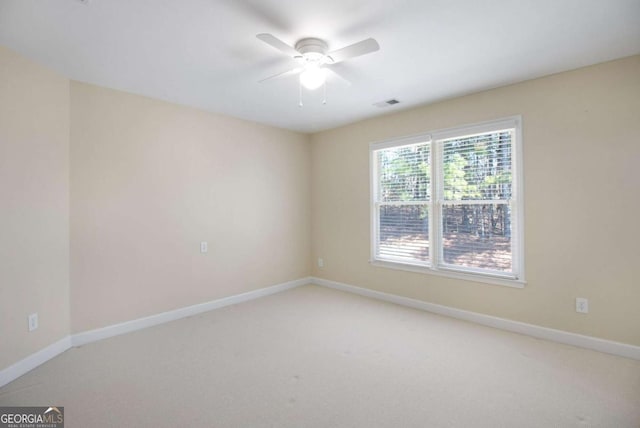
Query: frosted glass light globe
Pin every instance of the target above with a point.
(313, 77)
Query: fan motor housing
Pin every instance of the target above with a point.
(311, 47)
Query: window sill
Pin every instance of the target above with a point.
(486, 279)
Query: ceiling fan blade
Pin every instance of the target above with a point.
(287, 73)
(337, 76)
(361, 48)
(275, 42)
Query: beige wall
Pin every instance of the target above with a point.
(34, 206)
(150, 180)
(581, 154)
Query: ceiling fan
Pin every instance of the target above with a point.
(314, 60)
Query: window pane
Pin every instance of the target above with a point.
(477, 236)
(404, 173)
(477, 167)
(404, 233)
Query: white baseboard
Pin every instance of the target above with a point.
(83, 338)
(560, 336)
(34, 360)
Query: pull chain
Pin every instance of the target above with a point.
(324, 93)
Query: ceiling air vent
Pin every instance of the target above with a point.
(386, 103)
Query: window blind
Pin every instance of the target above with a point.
(476, 204)
(402, 203)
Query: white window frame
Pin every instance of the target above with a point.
(434, 267)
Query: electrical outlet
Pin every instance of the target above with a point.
(33, 321)
(582, 305)
(204, 247)
(320, 263)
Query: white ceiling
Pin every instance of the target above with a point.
(204, 53)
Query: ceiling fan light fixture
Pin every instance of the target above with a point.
(312, 54)
(313, 77)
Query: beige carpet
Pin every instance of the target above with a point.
(314, 357)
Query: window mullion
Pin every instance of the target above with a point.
(435, 206)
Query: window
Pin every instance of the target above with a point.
(450, 202)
